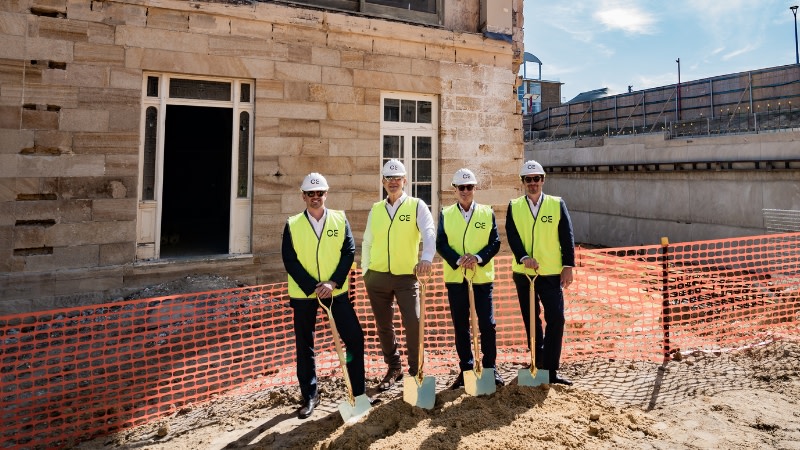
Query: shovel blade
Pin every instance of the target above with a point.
(421, 395)
(352, 413)
(476, 385)
(525, 378)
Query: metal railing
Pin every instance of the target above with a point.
(748, 102)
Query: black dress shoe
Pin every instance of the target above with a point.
(392, 377)
(459, 381)
(498, 380)
(555, 379)
(308, 408)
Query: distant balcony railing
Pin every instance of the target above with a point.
(757, 101)
(735, 123)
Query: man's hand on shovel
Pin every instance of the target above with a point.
(468, 261)
(325, 289)
(530, 262)
(423, 268)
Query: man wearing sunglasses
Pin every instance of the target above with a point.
(467, 240)
(391, 263)
(318, 250)
(539, 233)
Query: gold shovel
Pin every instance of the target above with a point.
(476, 381)
(355, 407)
(533, 376)
(419, 390)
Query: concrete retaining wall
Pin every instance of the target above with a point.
(638, 207)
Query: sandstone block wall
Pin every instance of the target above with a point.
(71, 77)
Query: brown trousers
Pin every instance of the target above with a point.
(383, 288)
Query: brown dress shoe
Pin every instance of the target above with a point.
(392, 376)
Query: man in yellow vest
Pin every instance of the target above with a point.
(390, 259)
(467, 239)
(539, 233)
(318, 250)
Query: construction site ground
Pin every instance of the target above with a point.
(747, 398)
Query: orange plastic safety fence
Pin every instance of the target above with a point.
(71, 374)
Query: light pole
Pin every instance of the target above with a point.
(796, 53)
(678, 96)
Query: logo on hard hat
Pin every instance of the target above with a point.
(314, 182)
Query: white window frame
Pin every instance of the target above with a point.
(408, 131)
(149, 212)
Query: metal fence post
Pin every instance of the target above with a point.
(665, 310)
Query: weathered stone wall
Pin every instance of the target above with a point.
(71, 75)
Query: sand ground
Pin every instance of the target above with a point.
(745, 399)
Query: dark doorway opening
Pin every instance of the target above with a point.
(195, 214)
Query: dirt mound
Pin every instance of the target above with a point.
(742, 399)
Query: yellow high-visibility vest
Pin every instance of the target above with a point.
(470, 238)
(318, 255)
(395, 241)
(539, 236)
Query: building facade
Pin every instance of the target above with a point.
(141, 141)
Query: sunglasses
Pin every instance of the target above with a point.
(468, 187)
(312, 194)
(393, 178)
(533, 179)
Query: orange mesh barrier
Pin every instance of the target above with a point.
(71, 374)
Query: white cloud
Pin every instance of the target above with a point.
(738, 52)
(629, 19)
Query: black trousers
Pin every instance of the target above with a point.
(550, 297)
(305, 321)
(458, 296)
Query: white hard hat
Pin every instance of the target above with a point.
(464, 176)
(314, 182)
(531, 168)
(393, 168)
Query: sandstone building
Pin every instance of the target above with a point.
(144, 140)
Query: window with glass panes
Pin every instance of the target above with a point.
(420, 11)
(409, 131)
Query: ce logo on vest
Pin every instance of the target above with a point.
(405, 217)
(548, 219)
(481, 225)
(333, 233)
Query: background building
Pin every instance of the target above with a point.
(145, 140)
(535, 94)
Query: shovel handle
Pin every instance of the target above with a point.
(532, 321)
(339, 351)
(473, 322)
(423, 282)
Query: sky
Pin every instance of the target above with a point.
(592, 44)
